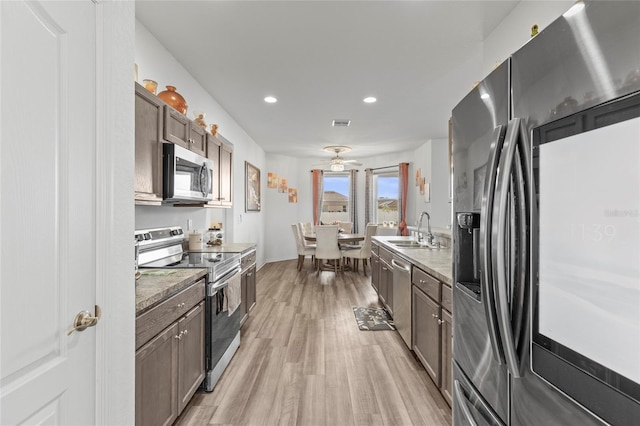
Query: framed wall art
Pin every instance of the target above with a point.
(252, 188)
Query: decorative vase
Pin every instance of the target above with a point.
(174, 99)
(214, 129)
(199, 119)
(150, 85)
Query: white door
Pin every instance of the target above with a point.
(47, 211)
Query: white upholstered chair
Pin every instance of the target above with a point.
(346, 227)
(364, 252)
(306, 228)
(303, 251)
(327, 247)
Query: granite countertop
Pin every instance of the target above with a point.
(436, 262)
(152, 289)
(226, 248)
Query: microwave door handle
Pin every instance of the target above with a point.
(209, 173)
(486, 278)
(499, 246)
(204, 177)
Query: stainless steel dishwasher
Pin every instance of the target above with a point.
(402, 298)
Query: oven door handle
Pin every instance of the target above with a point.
(213, 289)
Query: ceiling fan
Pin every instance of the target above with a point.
(337, 163)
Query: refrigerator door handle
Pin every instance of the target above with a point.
(498, 248)
(458, 395)
(520, 305)
(486, 213)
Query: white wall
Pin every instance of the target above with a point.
(431, 158)
(156, 63)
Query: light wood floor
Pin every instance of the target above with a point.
(303, 361)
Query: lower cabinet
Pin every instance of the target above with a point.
(385, 279)
(191, 354)
(426, 332)
(157, 379)
(375, 272)
(248, 286)
(432, 328)
(446, 384)
(170, 363)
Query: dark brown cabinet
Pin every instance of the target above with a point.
(191, 354)
(156, 379)
(170, 363)
(221, 153)
(375, 268)
(226, 174)
(446, 383)
(148, 145)
(248, 284)
(184, 132)
(426, 332)
(432, 328)
(248, 292)
(385, 280)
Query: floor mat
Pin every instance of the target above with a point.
(373, 319)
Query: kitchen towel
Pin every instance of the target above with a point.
(234, 293)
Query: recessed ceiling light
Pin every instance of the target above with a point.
(369, 100)
(270, 100)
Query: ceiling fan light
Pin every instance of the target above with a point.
(337, 167)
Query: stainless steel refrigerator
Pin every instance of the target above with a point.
(546, 236)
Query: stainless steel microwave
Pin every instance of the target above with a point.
(188, 176)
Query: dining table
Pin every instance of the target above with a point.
(342, 238)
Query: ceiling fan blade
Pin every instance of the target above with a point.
(352, 162)
(322, 164)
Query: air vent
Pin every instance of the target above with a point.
(341, 123)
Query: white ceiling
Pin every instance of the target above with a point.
(321, 58)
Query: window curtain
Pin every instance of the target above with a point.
(369, 197)
(404, 186)
(318, 190)
(353, 196)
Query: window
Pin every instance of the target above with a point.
(385, 190)
(335, 199)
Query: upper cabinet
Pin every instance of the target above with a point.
(184, 132)
(158, 123)
(220, 151)
(149, 117)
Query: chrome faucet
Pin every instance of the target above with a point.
(429, 234)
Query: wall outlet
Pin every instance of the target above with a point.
(239, 219)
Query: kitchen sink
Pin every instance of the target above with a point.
(406, 244)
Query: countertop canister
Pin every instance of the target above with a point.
(195, 240)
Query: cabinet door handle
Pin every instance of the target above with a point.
(185, 332)
(179, 335)
(249, 274)
(440, 322)
(180, 305)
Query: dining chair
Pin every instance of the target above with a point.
(346, 227)
(306, 228)
(303, 251)
(364, 252)
(327, 247)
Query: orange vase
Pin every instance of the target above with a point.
(174, 99)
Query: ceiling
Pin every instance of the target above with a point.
(320, 59)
